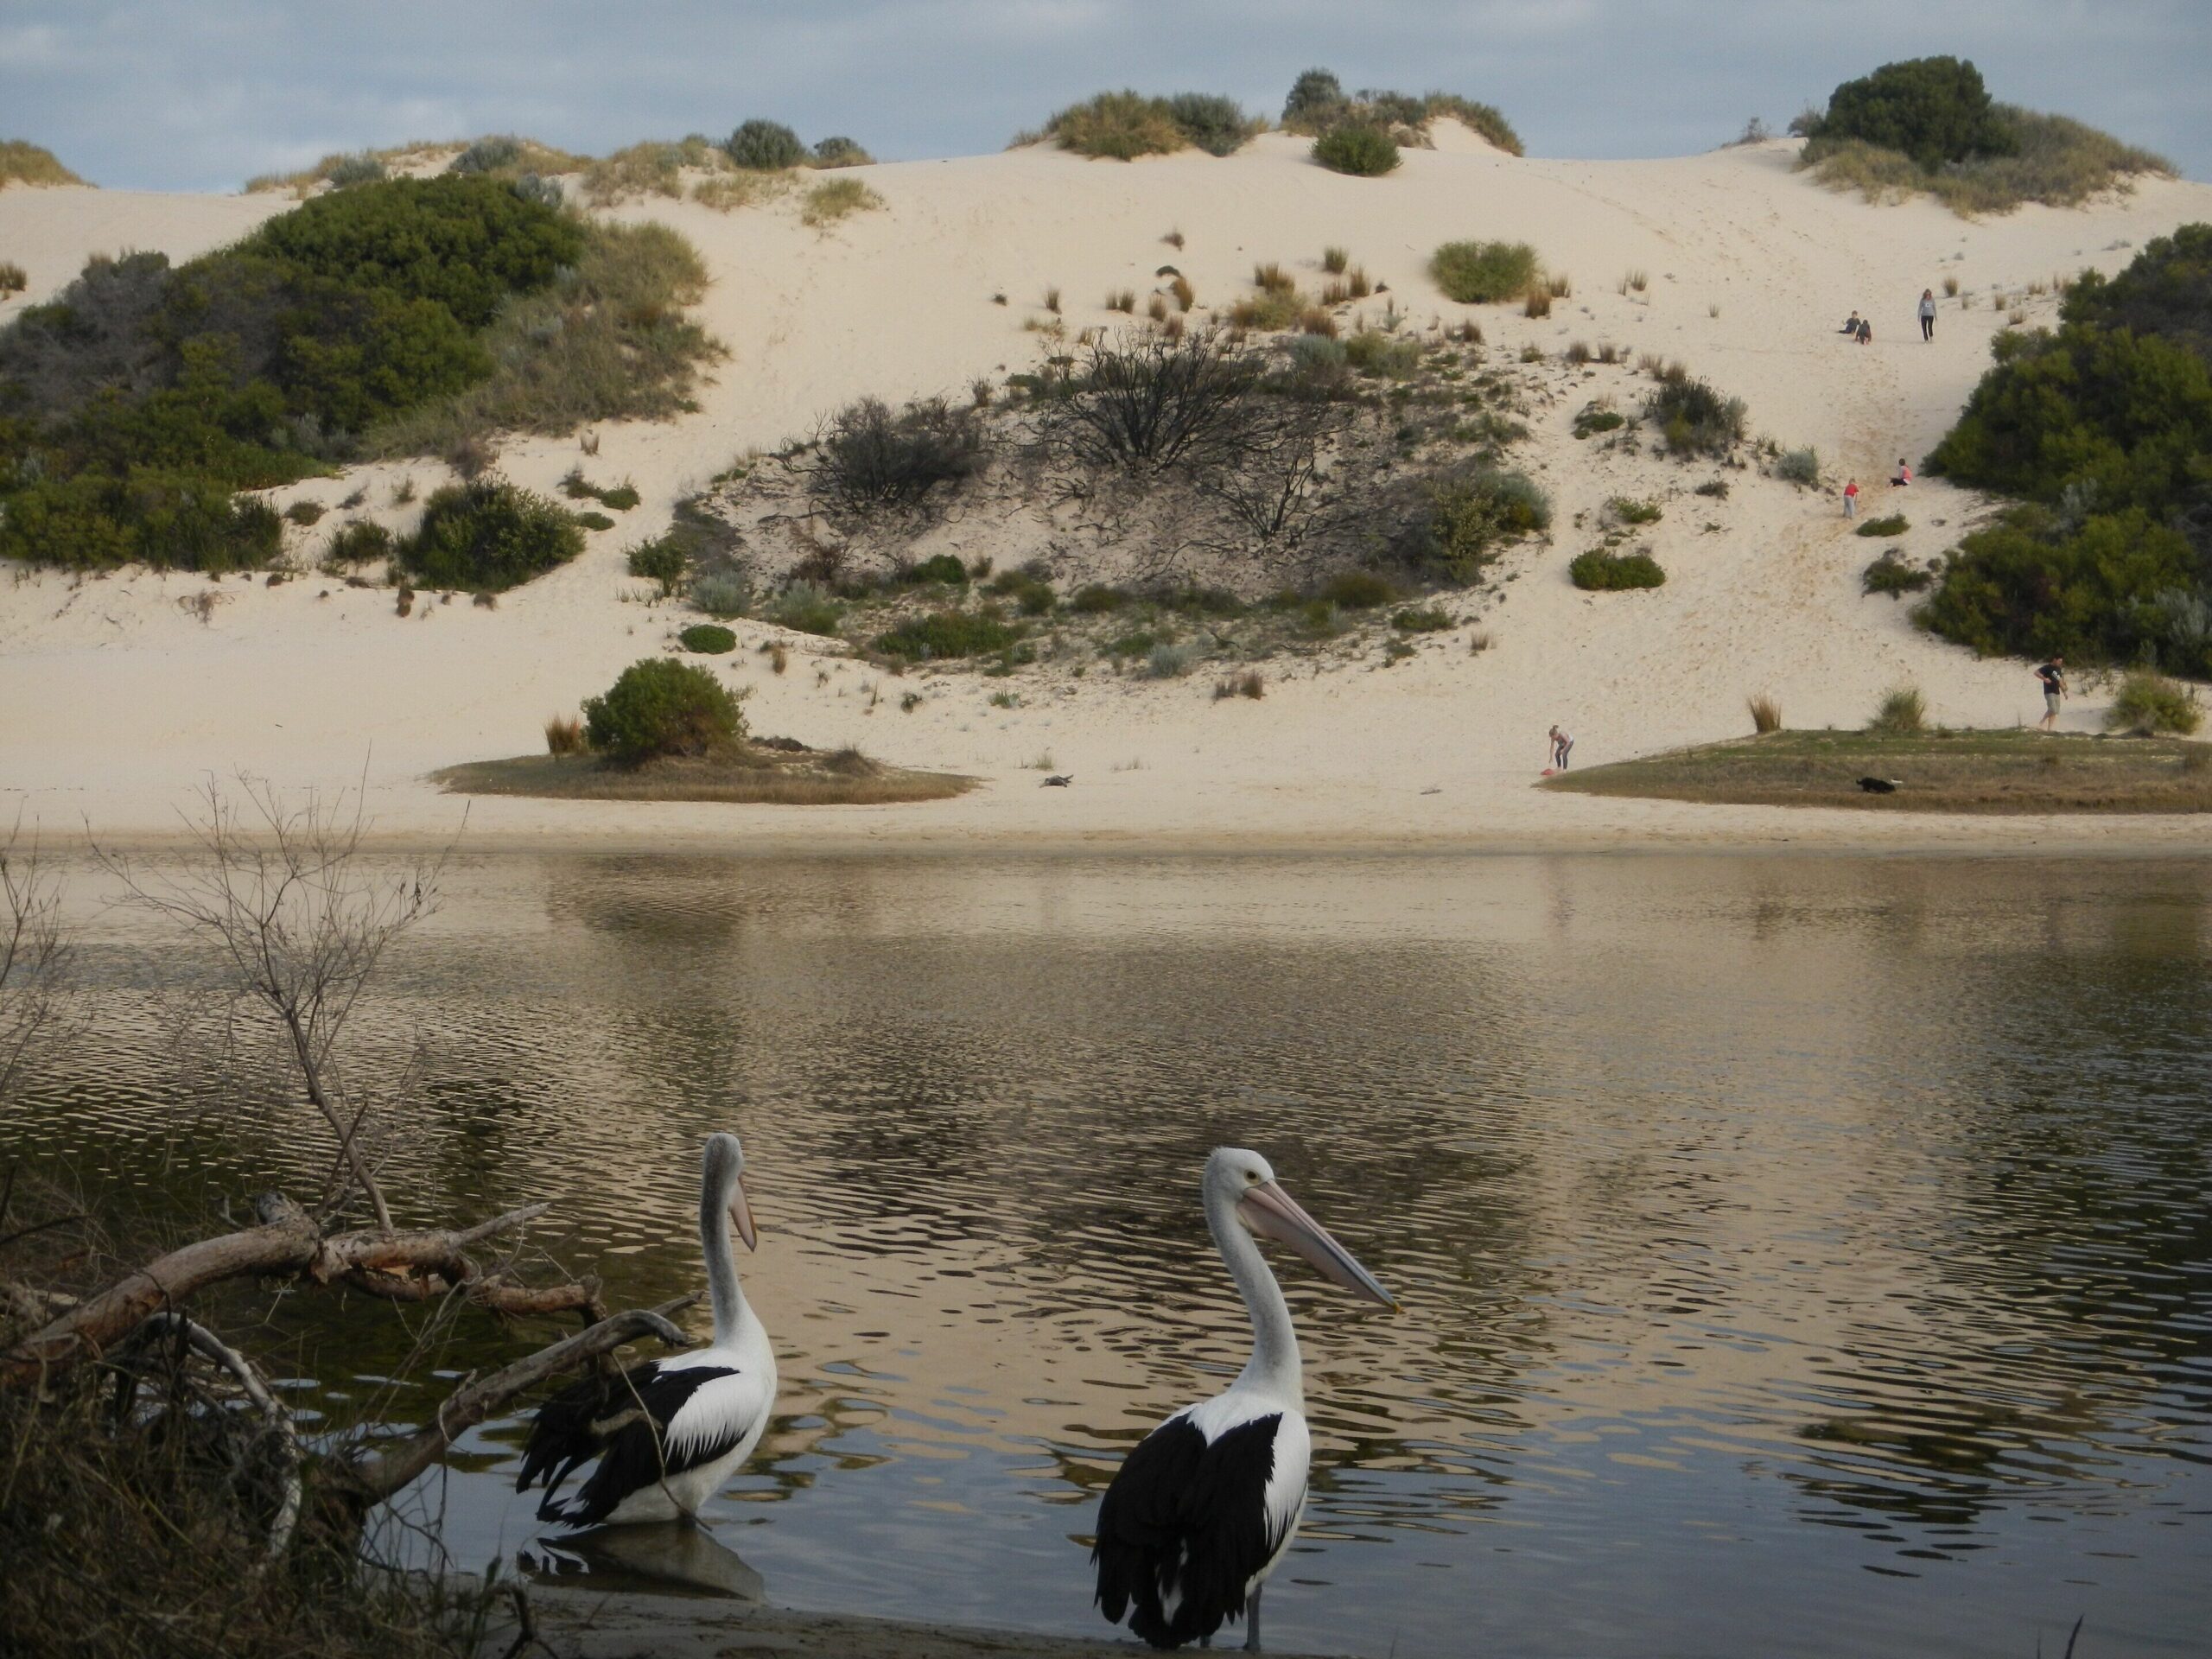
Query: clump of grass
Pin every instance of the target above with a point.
(1694, 418)
(805, 609)
(1156, 308)
(1593, 418)
(1425, 618)
(1900, 714)
(1717, 488)
(14, 279)
(1561, 286)
(565, 734)
(1630, 511)
(23, 162)
(357, 542)
(1766, 713)
(651, 169)
(1895, 524)
(1539, 302)
(1356, 590)
(837, 151)
(2147, 702)
(1170, 662)
(1117, 126)
(1601, 571)
(1894, 577)
(1950, 288)
(725, 192)
(1362, 151)
(836, 199)
(1484, 273)
(1635, 282)
(1336, 261)
(1124, 300)
(1578, 353)
(1800, 466)
(1251, 684)
(1185, 295)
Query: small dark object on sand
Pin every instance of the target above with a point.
(1058, 780)
(1879, 785)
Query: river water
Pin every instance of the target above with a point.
(1796, 1255)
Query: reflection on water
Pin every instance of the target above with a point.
(1795, 1255)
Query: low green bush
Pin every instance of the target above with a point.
(1900, 714)
(594, 520)
(1429, 619)
(942, 568)
(1601, 571)
(358, 543)
(804, 608)
(1097, 597)
(621, 498)
(724, 592)
(1118, 126)
(1799, 467)
(1592, 420)
(945, 634)
(1459, 520)
(661, 560)
(1217, 126)
(1894, 577)
(760, 146)
(1895, 524)
(2148, 702)
(659, 707)
(303, 513)
(1356, 590)
(1633, 512)
(1363, 152)
(487, 156)
(1694, 418)
(707, 639)
(841, 151)
(1484, 273)
(487, 535)
(1383, 356)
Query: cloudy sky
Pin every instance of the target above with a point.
(200, 95)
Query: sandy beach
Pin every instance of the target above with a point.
(115, 700)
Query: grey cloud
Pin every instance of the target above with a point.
(166, 96)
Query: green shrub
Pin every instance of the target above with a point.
(1634, 513)
(1603, 571)
(1217, 126)
(1356, 590)
(1138, 642)
(661, 560)
(1484, 273)
(1486, 120)
(1096, 597)
(1932, 109)
(942, 568)
(804, 608)
(487, 156)
(1118, 126)
(1316, 99)
(1363, 152)
(1460, 519)
(944, 634)
(2148, 702)
(1385, 356)
(707, 639)
(1901, 713)
(658, 707)
(358, 543)
(1429, 619)
(1895, 524)
(840, 152)
(366, 167)
(723, 593)
(303, 513)
(487, 535)
(594, 520)
(869, 458)
(1170, 662)
(1800, 466)
(1592, 420)
(760, 146)
(2027, 586)
(1894, 577)
(1694, 418)
(2165, 292)
(621, 498)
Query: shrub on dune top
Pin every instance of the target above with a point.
(22, 163)
(660, 708)
(1362, 151)
(1484, 273)
(1118, 126)
(840, 152)
(487, 535)
(760, 146)
(2148, 702)
(1215, 124)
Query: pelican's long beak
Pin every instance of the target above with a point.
(1273, 1213)
(740, 1215)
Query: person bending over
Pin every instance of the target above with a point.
(2053, 675)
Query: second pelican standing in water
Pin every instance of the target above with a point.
(1206, 1506)
(668, 1433)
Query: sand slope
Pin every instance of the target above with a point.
(114, 699)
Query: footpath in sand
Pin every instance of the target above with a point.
(116, 702)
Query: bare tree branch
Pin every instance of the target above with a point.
(279, 1422)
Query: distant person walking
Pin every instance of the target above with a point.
(2053, 675)
(1902, 477)
(1927, 314)
(1851, 499)
(1562, 745)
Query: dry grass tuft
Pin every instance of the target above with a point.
(836, 199)
(1539, 302)
(725, 192)
(1766, 713)
(565, 734)
(22, 162)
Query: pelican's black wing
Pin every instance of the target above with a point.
(1184, 1527)
(622, 1421)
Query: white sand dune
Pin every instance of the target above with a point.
(115, 701)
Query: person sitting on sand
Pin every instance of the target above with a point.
(1865, 332)
(2053, 675)
(1851, 499)
(1562, 745)
(1902, 477)
(1851, 325)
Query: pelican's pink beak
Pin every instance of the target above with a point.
(1273, 1213)
(740, 1215)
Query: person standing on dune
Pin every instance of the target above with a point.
(1927, 314)
(1851, 499)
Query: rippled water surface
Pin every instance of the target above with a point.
(1797, 1256)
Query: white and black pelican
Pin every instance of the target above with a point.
(668, 1433)
(1206, 1506)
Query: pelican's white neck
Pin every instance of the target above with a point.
(723, 1289)
(1274, 1364)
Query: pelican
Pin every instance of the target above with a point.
(1206, 1506)
(668, 1433)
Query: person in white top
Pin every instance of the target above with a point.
(1927, 314)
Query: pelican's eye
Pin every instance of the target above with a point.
(1251, 1178)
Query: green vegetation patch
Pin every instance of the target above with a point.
(1601, 571)
(1460, 520)
(1484, 273)
(708, 639)
(1318, 104)
(487, 535)
(946, 634)
(2148, 702)
(23, 162)
(1995, 771)
(1121, 126)
(1694, 418)
(661, 707)
(1364, 152)
(1895, 524)
(1893, 576)
(738, 774)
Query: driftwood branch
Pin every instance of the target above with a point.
(379, 1473)
(288, 1245)
(279, 1421)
